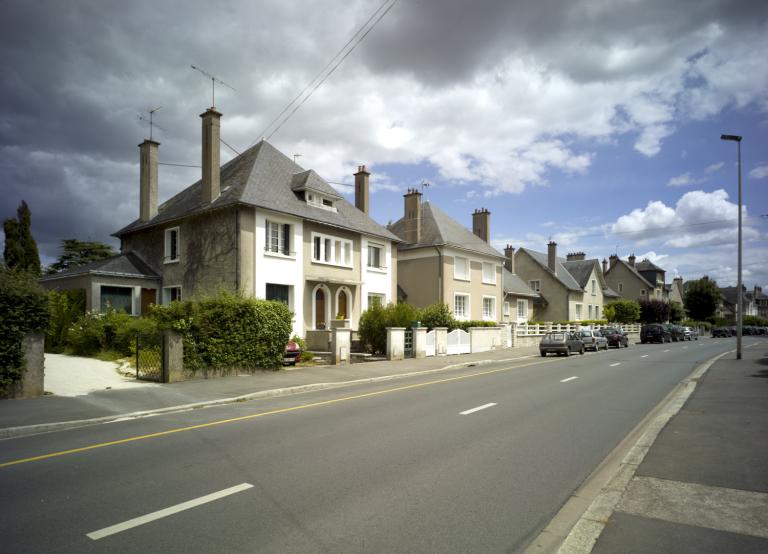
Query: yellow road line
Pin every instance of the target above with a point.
(254, 416)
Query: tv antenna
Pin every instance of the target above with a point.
(151, 123)
(295, 156)
(424, 185)
(214, 80)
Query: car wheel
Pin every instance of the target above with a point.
(581, 352)
(606, 347)
(568, 352)
(543, 354)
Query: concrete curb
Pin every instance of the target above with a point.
(587, 530)
(27, 430)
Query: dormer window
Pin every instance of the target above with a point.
(320, 201)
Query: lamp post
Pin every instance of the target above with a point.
(739, 304)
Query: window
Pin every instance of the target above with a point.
(460, 268)
(331, 250)
(578, 312)
(375, 256)
(597, 312)
(320, 201)
(171, 245)
(375, 300)
(489, 307)
(522, 310)
(621, 287)
(281, 293)
(506, 309)
(489, 273)
(535, 285)
(461, 306)
(278, 238)
(171, 294)
(642, 292)
(590, 311)
(119, 299)
(594, 287)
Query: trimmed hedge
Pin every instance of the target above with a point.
(229, 332)
(23, 309)
(375, 320)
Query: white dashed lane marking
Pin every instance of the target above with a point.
(568, 379)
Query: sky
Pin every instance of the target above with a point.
(593, 123)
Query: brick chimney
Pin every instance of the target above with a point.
(613, 259)
(481, 223)
(632, 260)
(412, 216)
(552, 256)
(211, 155)
(361, 189)
(605, 265)
(509, 258)
(576, 256)
(148, 179)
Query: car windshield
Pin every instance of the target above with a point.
(555, 337)
(585, 333)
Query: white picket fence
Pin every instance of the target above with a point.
(526, 329)
(458, 342)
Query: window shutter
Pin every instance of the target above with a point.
(286, 239)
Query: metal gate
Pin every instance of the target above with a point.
(149, 357)
(408, 344)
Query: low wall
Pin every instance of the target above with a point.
(483, 339)
(32, 381)
(319, 341)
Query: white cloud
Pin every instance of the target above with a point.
(760, 172)
(714, 167)
(684, 180)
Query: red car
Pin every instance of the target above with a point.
(292, 353)
(616, 337)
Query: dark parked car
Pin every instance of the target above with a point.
(561, 343)
(676, 333)
(654, 332)
(292, 353)
(616, 337)
(721, 332)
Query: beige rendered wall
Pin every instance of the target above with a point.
(632, 285)
(475, 286)
(552, 289)
(246, 250)
(418, 277)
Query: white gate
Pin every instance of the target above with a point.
(430, 345)
(458, 342)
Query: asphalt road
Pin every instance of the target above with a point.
(473, 460)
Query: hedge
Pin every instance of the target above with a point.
(23, 309)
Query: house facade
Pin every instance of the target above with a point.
(265, 227)
(571, 289)
(519, 299)
(440, 261)
(626, 279)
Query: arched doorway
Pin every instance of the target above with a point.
(320, 301)
(342, 311)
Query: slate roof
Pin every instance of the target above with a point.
(264, 177)
(513, 284)
(439, 229)
(562, 274)
(648, 265)
(122, 265)
(582, 269)
(632, 270)
(608, 292)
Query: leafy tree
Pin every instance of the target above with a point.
(76, 252)
(622, 311)
(701, 298)
(437, 315)
(20, 251)
(654, 311)
(676, 312)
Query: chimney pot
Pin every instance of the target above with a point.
(605, 265)
(412, 216)
(632, 259)
(509, 259)
(552, 256)
(148, 179)
(481, 224)
(211, 155)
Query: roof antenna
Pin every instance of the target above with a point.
(424, 185)
(151, 123)
(214, 80)
(296, 156)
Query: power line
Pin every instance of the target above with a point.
(228, 146)
(325, 72)
(177, 165)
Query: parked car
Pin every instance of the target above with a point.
(615, 337)
(654, 332)
(721, 332)
(690, 334)
(593, 340)
(561, 343)
(676, 332)
(292, 353)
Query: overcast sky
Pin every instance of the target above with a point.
(594, 123)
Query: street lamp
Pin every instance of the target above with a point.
(740, 306)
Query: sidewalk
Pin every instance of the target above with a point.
(703, 485)
(55, 412)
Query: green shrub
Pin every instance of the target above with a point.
(375, 320)
(66, 307)
(23, 309)
(465, 325)
(623, 311)
(438, 315)
(229, 332)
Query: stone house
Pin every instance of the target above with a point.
(631, 281)
(260, 225)
(440, 261)
(674, 291)
(519, 298)
(571, 289)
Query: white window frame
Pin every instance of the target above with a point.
(268, 236)
(522, 304)
(465, 264)
(167, 294)
(577, 308)
(167, 251)
(328, 256)
(467, 312)
(535, 285)
(381, 298)
(486, 315)
(318, 201)
(492, 280)
(594, 287)
(382, 257)
(506, 309)
(589, 310)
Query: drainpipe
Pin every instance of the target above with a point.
(439, 275)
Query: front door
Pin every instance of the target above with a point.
(319, 309)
